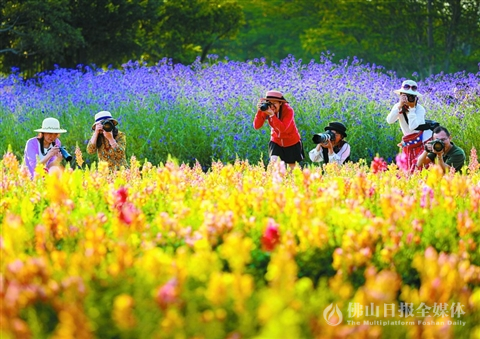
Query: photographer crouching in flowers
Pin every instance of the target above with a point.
(411, 116)
(109, 143)
(46, 148)
(331, 146)
(442, 148)
(285, 142)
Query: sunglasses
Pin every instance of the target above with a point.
(407, 87)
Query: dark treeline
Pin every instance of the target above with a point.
(422, 36)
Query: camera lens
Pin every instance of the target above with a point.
(322, 138)
(411, 97)
(438, 146)
(65, 154)
(264, 106)
(107, 126)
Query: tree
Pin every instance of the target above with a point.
(272, 30)
(109, 29)
(420, 36)
(36, 33)
(189, 28)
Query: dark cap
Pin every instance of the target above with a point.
(338, 127)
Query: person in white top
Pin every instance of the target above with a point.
(44, 148)
(411, 116)
(331, 146)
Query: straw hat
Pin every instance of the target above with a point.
(275, 95)
(50, 125)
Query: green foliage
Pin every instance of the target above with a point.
(188, 28)
(423, 37)
(39, 34)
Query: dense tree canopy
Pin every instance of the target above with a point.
(422, 36)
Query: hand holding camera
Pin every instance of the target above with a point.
(53, 152)
(104, 126)
(266, 106)
(323, 138)
(435, 146)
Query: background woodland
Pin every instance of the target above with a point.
(420, 37)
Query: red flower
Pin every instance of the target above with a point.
(378, 165)
(271, 236)
(120, 197)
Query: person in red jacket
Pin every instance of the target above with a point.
(285, 142)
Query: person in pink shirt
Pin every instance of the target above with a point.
(285, 141)
(45, 147)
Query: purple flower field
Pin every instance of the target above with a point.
(204, 111)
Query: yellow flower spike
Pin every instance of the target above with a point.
(236, 250)
(172, 324)
(122, 313)
(218, 288)
(282, 272)
(474, 300)
(15, 236)
(78, 155)
(10, 161)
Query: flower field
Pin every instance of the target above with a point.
(240, 251)
(198, 238)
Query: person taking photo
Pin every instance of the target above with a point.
(442, 149)
(285, 142)
(411, 116)
(109, 143)
(45, 147)
(331, 146)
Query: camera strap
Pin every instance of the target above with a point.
(405, 112)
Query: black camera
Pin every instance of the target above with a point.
(435, 145)
(265, 105)
(107, 125)
(411, 97)
(322, 138)
(65, 154)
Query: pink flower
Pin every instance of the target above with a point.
(128, 212)
(378, 165)
(402, 162)
(168, 294)
(427, 197)
(271, 237)
(473, 166)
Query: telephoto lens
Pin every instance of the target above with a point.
(65, 154)
(322, 138)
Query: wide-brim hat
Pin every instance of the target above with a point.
(338, 127)
(275, 95)
(51, 125)
(409, 84)
(104, 115)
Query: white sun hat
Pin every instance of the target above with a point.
(408, 87)
(104, 115)
(50, 125)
